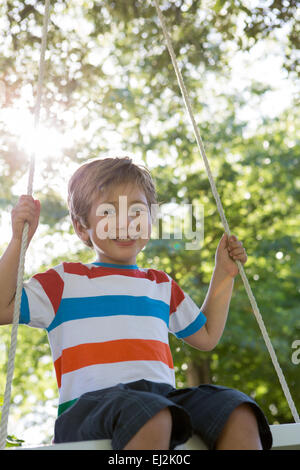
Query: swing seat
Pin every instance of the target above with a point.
(285, 437)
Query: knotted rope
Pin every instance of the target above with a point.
(256, 311)
(17, 304)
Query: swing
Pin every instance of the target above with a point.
(285, 436)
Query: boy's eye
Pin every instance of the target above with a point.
(109, 211)
(106, 209)
(135, 210)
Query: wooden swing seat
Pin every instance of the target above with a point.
(285, 437)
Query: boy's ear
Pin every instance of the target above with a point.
(82, 232)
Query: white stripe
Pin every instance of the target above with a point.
(100, 376)
(99, 329)
(40, 308)
(59, 268)
(116, 284)
(187, 311)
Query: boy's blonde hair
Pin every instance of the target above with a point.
(99, 175)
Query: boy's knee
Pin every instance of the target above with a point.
(161, 422)
(164, 417)
(155, 434)
(241, 430)
(244, 413)
(243, 420)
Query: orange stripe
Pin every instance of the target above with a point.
(120, 350)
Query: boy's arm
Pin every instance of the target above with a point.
(8, 281)
(26, 210)
(215, 308)
(217, 301)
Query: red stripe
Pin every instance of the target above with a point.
(177, 296)
(99, 271)
(120, 350)
(53, 286)
(158, 276)
(57, 367)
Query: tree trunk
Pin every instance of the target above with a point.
(198, 372)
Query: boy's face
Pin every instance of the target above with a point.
(120, 224)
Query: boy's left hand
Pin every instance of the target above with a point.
(229, 250)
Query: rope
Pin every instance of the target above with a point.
(17, 304)
(256, 311)
(16, 315)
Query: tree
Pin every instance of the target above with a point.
(109, 77)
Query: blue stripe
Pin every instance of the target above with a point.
(24, 311)
(119, 266)
(107, 305)
(193, 327)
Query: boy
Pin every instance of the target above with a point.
(108, 323)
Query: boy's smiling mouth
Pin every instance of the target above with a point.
(124, 242)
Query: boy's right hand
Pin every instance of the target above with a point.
(26, 210)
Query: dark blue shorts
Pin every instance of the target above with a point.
(117, 413)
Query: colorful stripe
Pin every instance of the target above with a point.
(101, 271)
(100, 376)
(177, 296)
(108, 324)
(108, 305)
(24, 310)
(99, 329)
(108, 352)
(64, 406)
(193, 327)
(53, 286)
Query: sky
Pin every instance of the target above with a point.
(263, 64)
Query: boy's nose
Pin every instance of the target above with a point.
(122, 223)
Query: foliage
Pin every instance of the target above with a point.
(11, 441)
(109, 77)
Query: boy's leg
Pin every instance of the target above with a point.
(240, 431)
(134, 415)
(155, 434)
(224, 418)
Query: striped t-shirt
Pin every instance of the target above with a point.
(108, 324)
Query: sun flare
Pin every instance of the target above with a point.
(43, 142)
